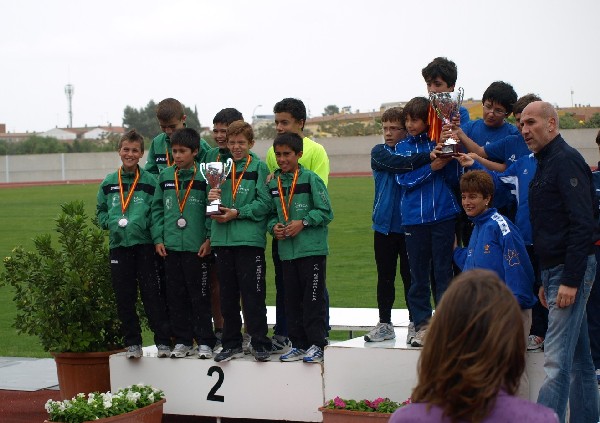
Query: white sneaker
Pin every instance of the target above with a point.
(411, 333)
(381, 332)
(534, 343)
(134, 351)
(204, 352)
(181, 351)
(419, 339)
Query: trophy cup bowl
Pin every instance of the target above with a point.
(447, 105)
(215, 173)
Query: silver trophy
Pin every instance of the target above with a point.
(215, 173)
(447, 105)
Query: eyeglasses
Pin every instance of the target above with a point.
(497, 112)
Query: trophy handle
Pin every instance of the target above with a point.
(460, 96)
(227, 166)
(202, 167)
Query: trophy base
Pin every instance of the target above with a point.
(213, 210)
(449, 150)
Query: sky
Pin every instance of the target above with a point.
(251, 54)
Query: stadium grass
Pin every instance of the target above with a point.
(351, 274)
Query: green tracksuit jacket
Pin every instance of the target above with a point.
(138, 214)
(311, 203)
(215, 153)
(156, 161)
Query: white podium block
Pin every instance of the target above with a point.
(240, 388)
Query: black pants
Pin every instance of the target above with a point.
(305, 305)
(242, 272)
(132, 267)
(188, 294)
(388, 250)
(539, 313)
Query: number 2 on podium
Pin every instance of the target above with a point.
(212, 393)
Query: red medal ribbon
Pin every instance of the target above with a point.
(435, 125)
(167, 154)
(285, 208)
(187, 191)
(125, 202)
(235, 185)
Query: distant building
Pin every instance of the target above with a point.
(96, 133)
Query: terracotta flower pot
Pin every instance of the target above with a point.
(342, 416)
(149, 414)
(82, 372)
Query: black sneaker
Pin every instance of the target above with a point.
(229, 353)
(261, 355)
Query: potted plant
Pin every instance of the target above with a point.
(64, 296)
(339, 410)
(137, 403)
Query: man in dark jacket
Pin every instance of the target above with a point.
(561, 205)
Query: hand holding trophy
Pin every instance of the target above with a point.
(447, 105)
(215, 173)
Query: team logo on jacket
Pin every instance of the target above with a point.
(115, 200)
(168, 203)
(574, 182)
(512, 258)
(486, 249)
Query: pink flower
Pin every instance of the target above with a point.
(338, 402)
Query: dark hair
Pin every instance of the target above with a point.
(227, 115)
(294, 107)
(442, 67)
(598, 138)
(393, 114)
(241, 127)
(502, 93)
(169, 109)
(186, 137)
(291, 139)
(524, 101)
(417, 108)
(132, 136)
(467, 363)
(478, 181)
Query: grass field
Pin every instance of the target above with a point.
(351, 275)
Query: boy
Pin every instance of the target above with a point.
(124, 208)
(290, 116)
(429, 210)
(171, 117)
(239, 238)
(299, 218)
(389, 241)
(180, 233)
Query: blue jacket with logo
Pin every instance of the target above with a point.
(496, 244)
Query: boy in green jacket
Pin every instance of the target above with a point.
(300, 214)
(239, 239)
(123, 207)
(181, 232)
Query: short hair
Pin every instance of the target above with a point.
(227, 115)
(240, 127)
(393, 114)
(478, 181)
(598, 138)
(467, 363)
(524, 101)
(293, 106)
(132, 136)
(502, 93)
(169, 109)
(417, 108)
(186, 137)
(442, 67)
(291, 139)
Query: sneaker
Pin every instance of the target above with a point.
(535, 343)
(204, 352)
(411, 333)
(313, 355)
(246, 343)
(229, 353)
(163, 351)
(263, 355)
(281, 344)
(218, 346)
(381, 332)
(134, 351)
(181, 351)
(295, 354)
(419, 339)
(194, 350)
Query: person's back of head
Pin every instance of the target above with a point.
(443, 68)
(476, 347)
(227, 116)
(523, 101)
(169, 109)
(502, 93)
(186, 137)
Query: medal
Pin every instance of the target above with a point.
(123, 222)
(125, 202)
(181, 223)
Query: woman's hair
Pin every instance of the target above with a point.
(478, 181)
(476, 346)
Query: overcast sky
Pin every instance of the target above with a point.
(216, 54)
